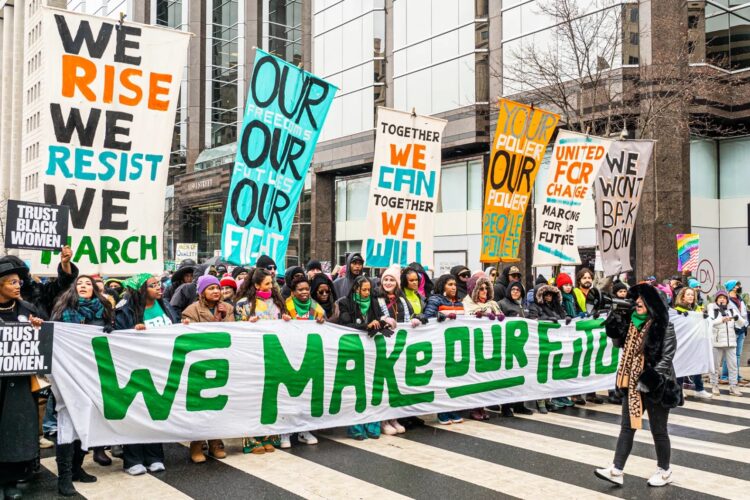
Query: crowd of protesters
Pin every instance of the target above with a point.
(196, 293)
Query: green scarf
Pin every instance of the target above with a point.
(414, 300)
(302, 307)
(364, 304)
(569, 303)
(638, 319)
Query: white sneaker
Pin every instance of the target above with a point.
(611, 474)
(399, 428)
(661, 477)
(704, 394)
(387, 429)
(307, 438)
(286, 441)
(137, 470)
(45, 443)
(734, 391)
(156, 467)
(715, 390)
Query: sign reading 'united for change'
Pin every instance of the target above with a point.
(35, 226)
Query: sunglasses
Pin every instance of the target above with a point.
(270, 268)
(464, 275)
(324, 292)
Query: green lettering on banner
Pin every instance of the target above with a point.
(483, 364)
(350, 349)
(490, 385)
(545, 348)
(384, 374)
(516, 336)
(457, 335)
(412, 378)
(600, 368)
(198, 381)
(117, 400)
(588, 326)
(279, 371)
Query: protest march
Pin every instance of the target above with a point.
(108, 351)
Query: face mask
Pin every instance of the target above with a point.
(738, 290)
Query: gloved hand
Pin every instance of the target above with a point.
(422, 318)
(596, 314)
(108, 329)
(479, 314)
(415, 322)
(441, 317)
(735, 317)
(453, 316)
(386, 332)
(500, 317)
(685, 313)
(491, 316)
(568, 320)
(705, 314)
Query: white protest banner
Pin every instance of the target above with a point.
(617, 192)
(224, 380)
(575, 163)
(184, 251)
(403, 190)
(111, 92)
(694, 343)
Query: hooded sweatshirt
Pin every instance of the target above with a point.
(426, 285)
(344, 284)
(331, 308)
(461, 290)
(286, 292)
(513, 308)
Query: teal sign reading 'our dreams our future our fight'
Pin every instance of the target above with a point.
(286, 109)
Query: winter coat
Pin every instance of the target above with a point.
(198, 312)
(473, 306)
(286, 290)
(461, 291)
(441, 303)
(501, 284)
(186, 266)
(332, 311)
(43, 295)
(125, 315)
(343, 285)
(588, 303)
(659, 347)
(544, 311)
(350, 313)
(19, 414)
(403, 309)
(723, 334)
(512, 309)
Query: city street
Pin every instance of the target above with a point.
(537, 456)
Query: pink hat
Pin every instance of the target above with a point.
(394, 271)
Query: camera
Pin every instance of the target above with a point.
(617, 305)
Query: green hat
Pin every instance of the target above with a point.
(137, 281)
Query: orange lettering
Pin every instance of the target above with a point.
(410, 225)
(128, 84)
(155, 90)
(418, 158)
(400, 156)
(109, 79)
(72, 79)
(391, 225)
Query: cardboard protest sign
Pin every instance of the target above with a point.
(112, 93)
(25, 350)
(186, 251)
(403, 190)
(576, 159)
(688, 248)
(617, 193)
(35, 226)
(521, 138)
(286, 109)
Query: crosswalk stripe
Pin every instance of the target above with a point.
(489, 475)
(721, 410)
(114, 483)
(685, 477)
(300, 476)
(716, 450)
(676, 419)
(724, 398)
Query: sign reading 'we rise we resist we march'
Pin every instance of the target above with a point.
(110, 91)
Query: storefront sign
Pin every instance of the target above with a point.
(35, 226)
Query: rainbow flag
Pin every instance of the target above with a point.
(688, 246)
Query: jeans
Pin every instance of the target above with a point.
(698, 381)
(741, 333)
(657, 421)
(143, 454)
(49, 421)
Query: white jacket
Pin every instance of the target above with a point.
(723, 332)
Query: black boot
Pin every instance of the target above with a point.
(100, 456)
(64, 459)
(79, 474)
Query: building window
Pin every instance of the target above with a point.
(284, 30)
(224, 72)
(352, 197)
(461, 186)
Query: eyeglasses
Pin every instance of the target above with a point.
(270, 268)
(464, 275)
(154, 285)
(16, 282)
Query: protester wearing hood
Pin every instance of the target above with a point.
(410, 285)
(42, 295)
(312, 268)
(620, 290)
(491, 272)
(187, 293)
(353, 269)
(512, 304)
(725, 320)
(646, 376)
(547, 304)
(322, 291)
(183, 274)
(479, 301)
(426, 286)
(291, 274)
(509, 275)
(462, 275)
(734, 291)
(239, 273)
(19, 414)
(531, 294)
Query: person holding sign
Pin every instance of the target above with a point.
(19, 417)
(81, 304)
(646, 375)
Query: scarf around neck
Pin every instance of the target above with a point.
(631, 367)
(364, 304)
(87, 310)
(302, 307)
(638, 319)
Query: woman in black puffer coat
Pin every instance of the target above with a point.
(646, 376)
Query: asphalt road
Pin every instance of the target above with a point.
(539, 456)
